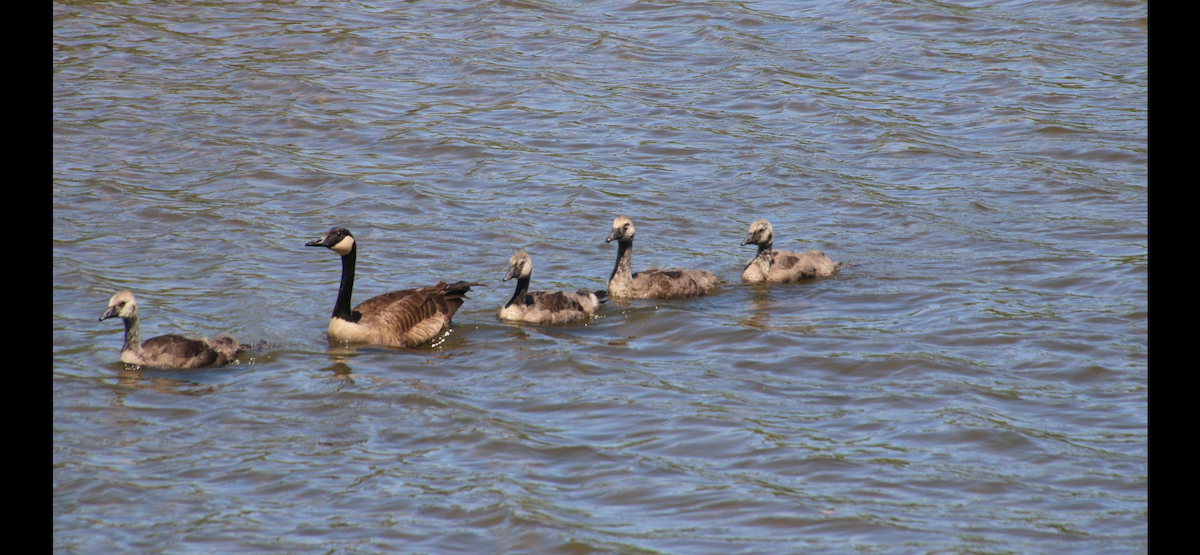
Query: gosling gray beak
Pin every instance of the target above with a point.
(513, 271)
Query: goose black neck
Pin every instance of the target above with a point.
(342, 308)
(522, 289)
(624, 264)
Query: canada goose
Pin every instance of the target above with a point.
(167, 351)
(405, 318)
(778, 266)
(652, 283)
(542, 307)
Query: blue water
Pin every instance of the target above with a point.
(974, 382)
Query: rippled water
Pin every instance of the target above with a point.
(975, 382)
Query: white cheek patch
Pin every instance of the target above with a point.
(343, 247)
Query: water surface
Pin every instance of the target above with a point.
(975, 382)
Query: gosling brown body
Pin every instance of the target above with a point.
(542, 307)
(171, 350)
(652, 283)
(780, 266)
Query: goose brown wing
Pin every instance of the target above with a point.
(377, 305)
(455, 293)
(414, 316)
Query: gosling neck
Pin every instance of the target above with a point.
(765, 257)
(519, 294)
(133, 335)
(621, 273)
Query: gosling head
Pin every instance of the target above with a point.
(760, 234)
(622, 230)
(519, 266)
(121, 305)
(337, 240)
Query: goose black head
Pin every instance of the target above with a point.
(338, 240)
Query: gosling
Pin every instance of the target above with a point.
(652, 283)
(543, 307)
(167, 351)
(779, 266)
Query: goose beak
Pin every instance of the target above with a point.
(612, 234)
(108, 313)
(318, 243)
(513, 271)
(749, 239)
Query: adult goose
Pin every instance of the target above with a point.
(779, 266)
(167, 351)
(405, 318)
(652, 283)
(542, 307)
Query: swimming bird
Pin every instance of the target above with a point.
(652, 283)
(779, 266)
(167, 351)
(542, 307)
(405, 318)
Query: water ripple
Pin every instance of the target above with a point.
(975, 380)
